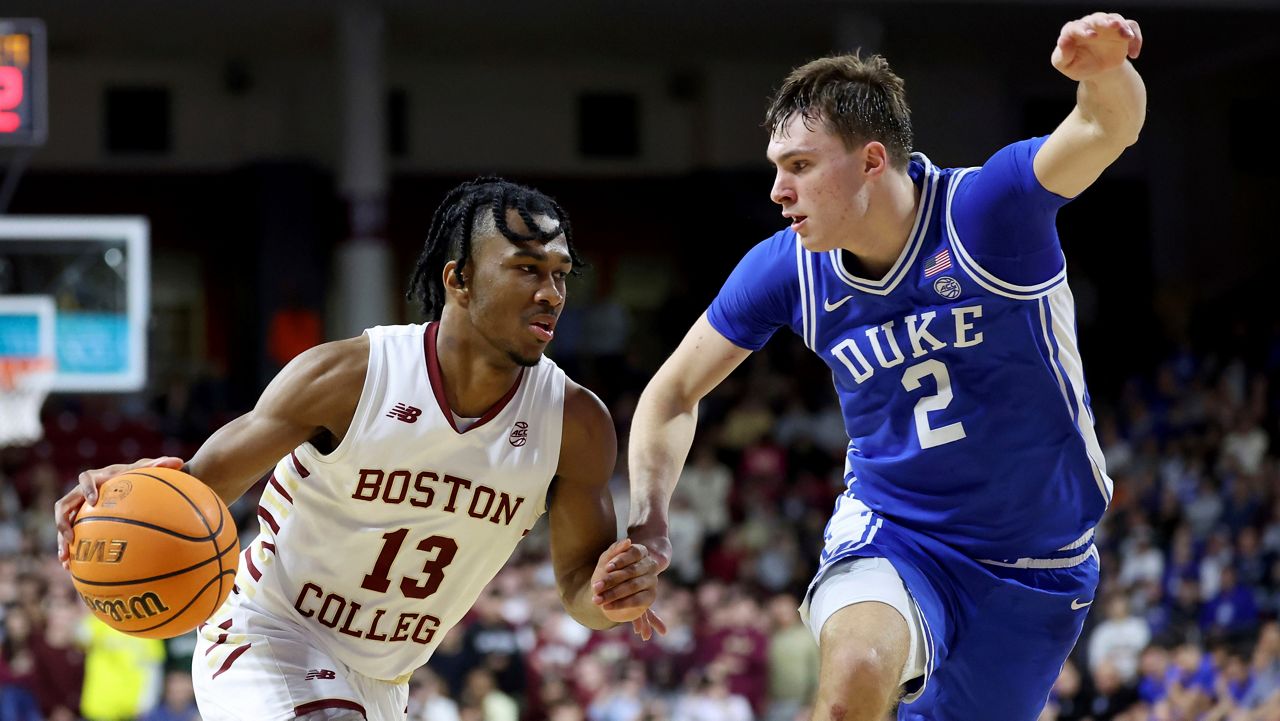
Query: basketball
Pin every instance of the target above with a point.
(157, 554)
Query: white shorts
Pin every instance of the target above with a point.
(251, 667)
(858, 580)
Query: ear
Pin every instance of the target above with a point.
(453, 286)
(875, 158)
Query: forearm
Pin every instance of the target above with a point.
(662, 432)
(576, 594)
(1114, 104)
(235, 457)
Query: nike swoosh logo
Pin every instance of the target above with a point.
(832, 306)
(1076, 605)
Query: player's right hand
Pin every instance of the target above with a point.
(65, 510)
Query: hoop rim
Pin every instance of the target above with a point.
(13, 368)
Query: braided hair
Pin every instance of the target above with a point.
(454, 221)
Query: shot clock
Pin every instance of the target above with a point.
(23, 100)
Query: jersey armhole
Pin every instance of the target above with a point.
(544, 499)
(982, 276)
(373, 383)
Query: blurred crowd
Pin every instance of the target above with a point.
(1183, 627)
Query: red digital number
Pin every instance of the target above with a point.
(11, 94)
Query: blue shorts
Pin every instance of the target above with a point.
(996, 636)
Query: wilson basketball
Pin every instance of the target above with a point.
(157, 554)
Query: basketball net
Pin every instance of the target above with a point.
(24, 384)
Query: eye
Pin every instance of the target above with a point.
(799, 165)
(561, 275)
(528, 268)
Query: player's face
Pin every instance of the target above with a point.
(518, 290)
(820, 184)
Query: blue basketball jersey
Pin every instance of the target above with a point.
(962, 390)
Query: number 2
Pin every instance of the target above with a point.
(930, 436)
(379, 579)
(11, 94)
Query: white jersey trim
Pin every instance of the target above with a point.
(907, 258)
(1063, 324)
(808, 302)
(1045, 563)
(982, 276)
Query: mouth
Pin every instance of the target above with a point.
(543, 328)
(797, 221)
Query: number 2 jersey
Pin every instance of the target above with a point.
(958, 372)
(378, 548)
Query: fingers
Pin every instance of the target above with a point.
(86, 490)
(642, 628)
(64, 512)
(1135, 38)
(91, 479)
(643, 567)
(628, 594)
(649, 622)
(656, 622)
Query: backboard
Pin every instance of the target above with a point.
(93, 274)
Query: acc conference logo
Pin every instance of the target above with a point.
(519, 434)
(947, 287)
(121, 608)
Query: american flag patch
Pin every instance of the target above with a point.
(937, 263)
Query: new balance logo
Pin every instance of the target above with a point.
(405, 413)
(323, 674)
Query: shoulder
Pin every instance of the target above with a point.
(779, 247)
(765, 266)
(586, 418)
(324, 382)
(335, 361)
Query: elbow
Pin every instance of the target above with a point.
(591, 616)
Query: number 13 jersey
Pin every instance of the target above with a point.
(378, 548)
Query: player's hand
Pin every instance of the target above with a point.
(1095, 44)
(624, 587)
(65, 510)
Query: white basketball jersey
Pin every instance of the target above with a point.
(377, 549)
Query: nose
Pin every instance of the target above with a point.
(549, 292)
(782, 192)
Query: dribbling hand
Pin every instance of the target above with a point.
(65, 510)
(624, 587)
(1095, 44)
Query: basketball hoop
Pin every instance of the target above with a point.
(24, 384)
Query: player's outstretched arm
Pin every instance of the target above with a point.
(1111, 102)
(663, 427)
(584, 527)
(317, 391)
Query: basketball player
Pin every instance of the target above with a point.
(409, 462)
(959, 562)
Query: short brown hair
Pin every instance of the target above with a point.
(858, 100)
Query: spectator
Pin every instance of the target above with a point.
(482, 693)
(121, 673)
(1118, 640)
(428, 700)
(793, 661)
(178, 702)
(1233, 611)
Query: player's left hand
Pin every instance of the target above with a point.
(1095, 44)
(624, 587)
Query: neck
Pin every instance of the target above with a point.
(890, 217)
(476, 375)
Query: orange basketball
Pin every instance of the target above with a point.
(157, 554)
